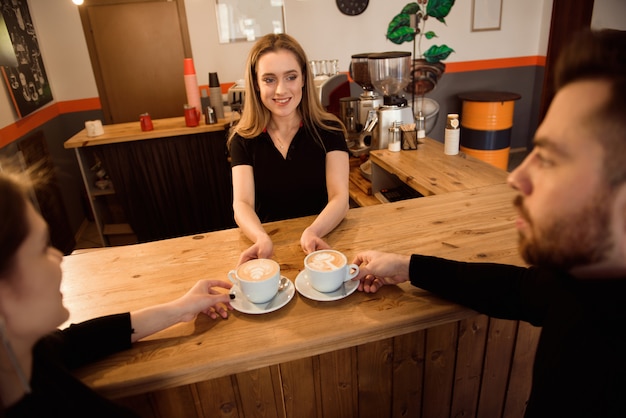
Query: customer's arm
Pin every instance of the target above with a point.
(245, 215)
(337, 178)
(204, 297)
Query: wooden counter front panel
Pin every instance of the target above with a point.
(446, 371)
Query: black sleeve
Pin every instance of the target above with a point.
(498, 290)
(88, 341)
(334, 140)
(240, 154)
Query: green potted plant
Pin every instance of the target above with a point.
(410, 25)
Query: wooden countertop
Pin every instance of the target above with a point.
(472, 225)
(429, 171)
(131, 131)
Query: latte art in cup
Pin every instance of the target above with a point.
(260, 270)
(327, 269)
(326, 261)
(257, 279)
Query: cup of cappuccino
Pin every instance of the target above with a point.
(328, 269)
(258, 279)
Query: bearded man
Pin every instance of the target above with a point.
(571, 222)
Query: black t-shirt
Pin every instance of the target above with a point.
(580, 363)
(55, 391)
(288, 187)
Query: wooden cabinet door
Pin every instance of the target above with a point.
(137, 50)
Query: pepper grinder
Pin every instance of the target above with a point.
(215, 95)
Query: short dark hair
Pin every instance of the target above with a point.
(601, 55)
(14, 225)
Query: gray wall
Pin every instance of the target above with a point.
(56, 132)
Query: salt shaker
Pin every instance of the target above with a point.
(421, 125)
(452, 135)
(395, 137)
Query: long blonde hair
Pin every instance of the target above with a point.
(256, 116)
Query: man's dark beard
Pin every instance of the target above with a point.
(582, 238)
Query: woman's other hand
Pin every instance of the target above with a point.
(309, 241)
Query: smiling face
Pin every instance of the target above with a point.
(280, 82)
(30, 296)
(568, 215)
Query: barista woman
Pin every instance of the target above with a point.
(289, 156)
(36, 359)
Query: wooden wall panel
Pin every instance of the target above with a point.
(375, 374)
(408, 374)
(500, 343)
(300, 384)
(520, 380)
(141, 404)
(469, 365)
(217, 398)
(256, 394)
(177, 402)
(478, 367)
(338, 388)
(439, 364)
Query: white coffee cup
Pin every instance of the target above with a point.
(328, 269)
(258, 279)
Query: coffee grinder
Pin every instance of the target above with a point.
(369, 98)
(390, 73)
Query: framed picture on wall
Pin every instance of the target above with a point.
(27, 81)
(247, 20)
(486, 15)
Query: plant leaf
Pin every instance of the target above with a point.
(401, 35)
(439, 9)
(400, 20)
(411, 8)
(430, 34)
(437, 53)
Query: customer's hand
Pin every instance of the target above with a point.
(377, 269)
(309, 241)
(206, 297)
(263, 248)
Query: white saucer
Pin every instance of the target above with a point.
(306, 290)
(242, 304)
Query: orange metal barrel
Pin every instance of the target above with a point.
(486, 124)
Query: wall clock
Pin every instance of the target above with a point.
(352, 7)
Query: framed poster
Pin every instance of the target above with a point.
(486, 15)
(247, 20)
(27, 81)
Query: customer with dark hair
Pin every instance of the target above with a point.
(289, 156)
(571, 222)
(36, 359)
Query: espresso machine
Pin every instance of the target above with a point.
(390, 73)
(354, 110)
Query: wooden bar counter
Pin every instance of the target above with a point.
(429, 171)
(169, 182)
(399, 352)
(131, 131)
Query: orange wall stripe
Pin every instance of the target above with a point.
(27, 124)
(31, 122)
(458, 67)
(80, 105)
